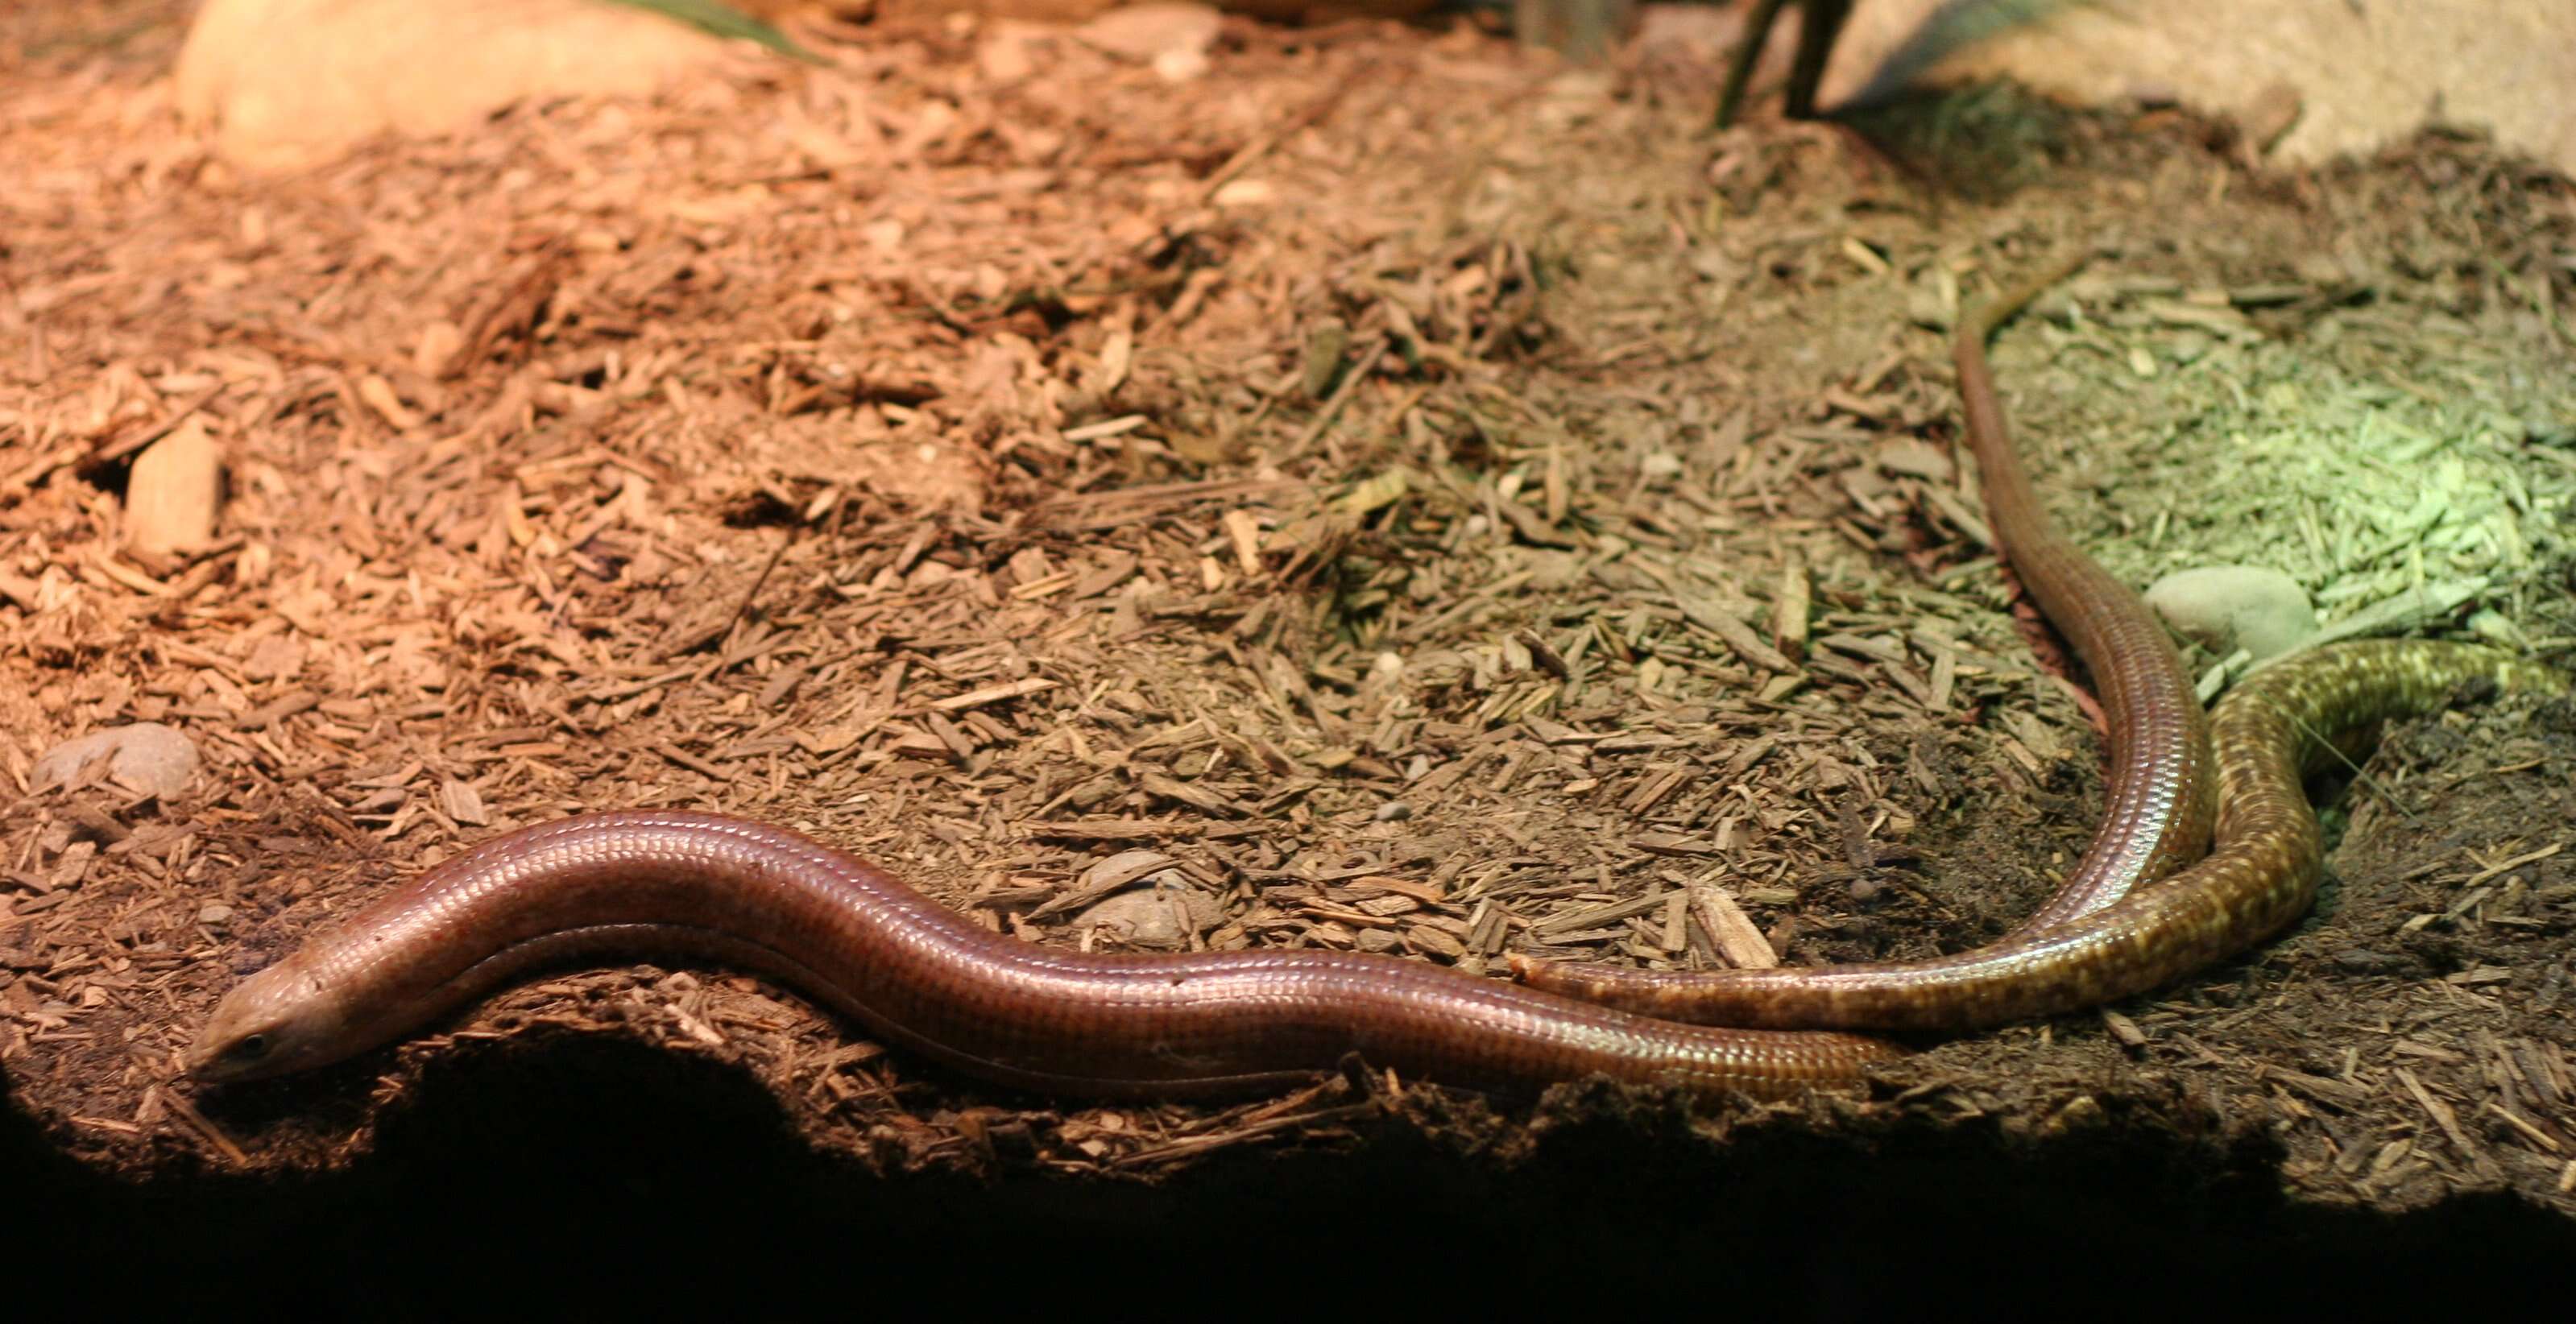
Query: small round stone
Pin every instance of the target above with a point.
(2225, 608)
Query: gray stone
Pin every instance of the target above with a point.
(2225, 608)
(146, 756)
(1163, 916)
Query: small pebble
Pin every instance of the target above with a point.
(2225, 608)
(172, 493)
(1150, 31)
(147, 756)
(1163, 916)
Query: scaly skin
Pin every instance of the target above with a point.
(925, 977)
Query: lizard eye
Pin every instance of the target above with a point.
(248, 1047)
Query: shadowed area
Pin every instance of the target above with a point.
(616, 1171)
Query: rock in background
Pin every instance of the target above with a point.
(2346, 77)
(288, 84)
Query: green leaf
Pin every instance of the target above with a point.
(723, 20)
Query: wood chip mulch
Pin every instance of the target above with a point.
(1431, 506)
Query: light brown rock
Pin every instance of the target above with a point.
(1162, 916)
(288, 84)
(1144, 31)
(174, 491)
(145, 756)
(2362, 75)
(2224, 608)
